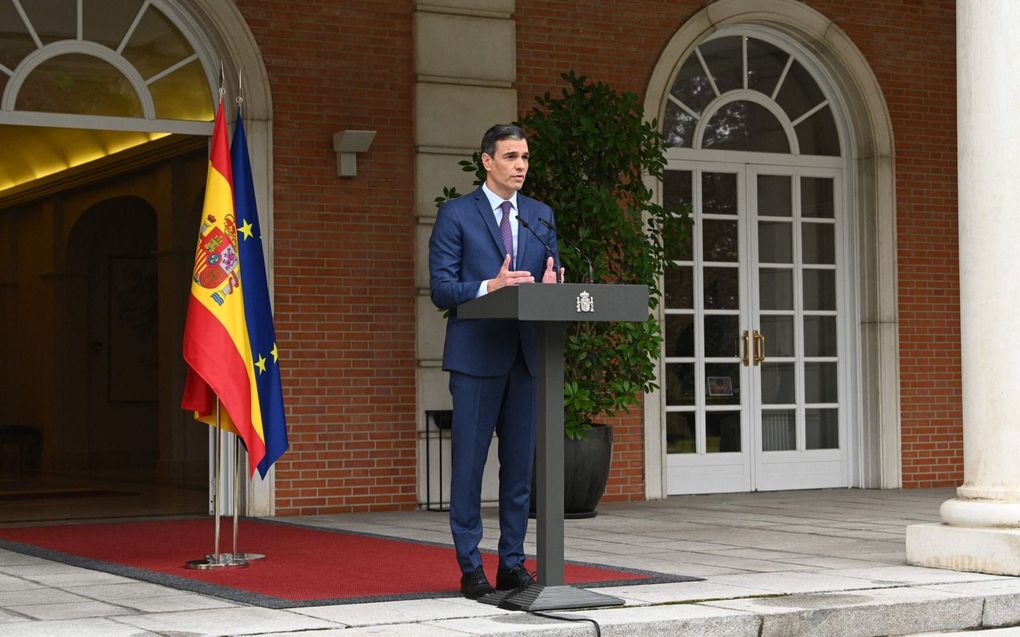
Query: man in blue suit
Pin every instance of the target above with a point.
(483, 241)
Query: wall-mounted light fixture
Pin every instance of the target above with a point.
(347, 145)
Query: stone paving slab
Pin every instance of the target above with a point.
(401, 612)
(861, 613)
(226, 622)
(653, 621)
(94, 627)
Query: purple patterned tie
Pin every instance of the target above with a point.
(505, 232)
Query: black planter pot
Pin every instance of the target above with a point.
(586, 466)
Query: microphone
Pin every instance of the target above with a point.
(591, 278)
(545, 245)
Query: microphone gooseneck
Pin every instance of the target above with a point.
(591, 278)
(548, 250)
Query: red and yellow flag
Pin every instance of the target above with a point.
(216, 344)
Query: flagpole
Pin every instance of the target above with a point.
(216, 560)
(238, 480)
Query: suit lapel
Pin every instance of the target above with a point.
(489, 219)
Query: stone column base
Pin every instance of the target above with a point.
(981, 550)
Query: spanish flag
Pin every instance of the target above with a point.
(216, 344)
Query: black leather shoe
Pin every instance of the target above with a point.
(516, 577)
(474, 584)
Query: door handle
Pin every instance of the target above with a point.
(759, 347)
(746, 337)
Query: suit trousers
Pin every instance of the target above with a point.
(507, 405)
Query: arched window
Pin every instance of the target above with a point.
(80, 80)
(116, 58)
(743, 93)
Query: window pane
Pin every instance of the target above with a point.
(778, 430)
(778, 333)
(819, 242)
(156, 44)
(107, 21)
(52, 20)
(77, 83)
(775, 243)
(719, 193)
(719, 239)
(722, 383)
(775, 289)
(678, 126)
(676, 195)
(817, 135)
(820, 383)
(775, 198)
(819, 290)
(680, 432)
(745, 126)
(819, 336)
(765, 64)
(15, 42)
(679, 339)
(692, 87)
(184, 94)
(821, 428)
(778, 384)
(721, 333)
(816, 197)
(722, 431)
(722, 288)
(725, 60)
(680, 384)
(679, 287)
(800, 92)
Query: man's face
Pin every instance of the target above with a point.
(508, 168)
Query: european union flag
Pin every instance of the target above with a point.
(258, 313)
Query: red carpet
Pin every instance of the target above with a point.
(304, 565)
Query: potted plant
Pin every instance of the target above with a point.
(591, 154)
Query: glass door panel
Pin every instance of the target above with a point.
(680, 330)
(705, 320)
(796, 418)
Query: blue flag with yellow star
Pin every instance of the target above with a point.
(258, 313)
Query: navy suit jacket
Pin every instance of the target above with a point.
(466, 249)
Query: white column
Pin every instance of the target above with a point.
(981, 526)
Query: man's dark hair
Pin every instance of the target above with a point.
(500, 132)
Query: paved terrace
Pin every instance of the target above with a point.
(782, 564)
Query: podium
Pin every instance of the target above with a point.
(552, 307)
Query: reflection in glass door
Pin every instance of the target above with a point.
(752, 331)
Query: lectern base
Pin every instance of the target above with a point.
(539, 597)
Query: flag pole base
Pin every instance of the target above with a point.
(226, 560)
(248, 557)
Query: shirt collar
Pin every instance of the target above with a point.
(495, 200)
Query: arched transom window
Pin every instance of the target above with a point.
(118, 58)
(82, 79)
(742, 93)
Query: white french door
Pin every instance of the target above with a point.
(755, 370)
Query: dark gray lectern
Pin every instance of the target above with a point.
(551, 307)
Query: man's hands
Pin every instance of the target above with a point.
(550, 275)
(507, 276)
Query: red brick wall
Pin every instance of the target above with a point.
(344, 251)
(912, 48)
(910, 45)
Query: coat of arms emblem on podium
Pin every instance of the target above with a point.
(585, 303)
